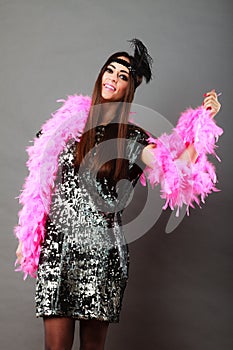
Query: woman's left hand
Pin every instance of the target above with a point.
(211, 103)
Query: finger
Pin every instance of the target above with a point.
(18, 251)
(212, 109)
(19, 259)
(210, 93)
(211, 101)
(208, 106)
(212, 104)
(19, 256)
(211, 96)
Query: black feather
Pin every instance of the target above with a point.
(142, 61)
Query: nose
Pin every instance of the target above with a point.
(114, 77)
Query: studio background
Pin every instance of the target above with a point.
(179, 294)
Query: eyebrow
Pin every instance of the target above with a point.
(122, 70)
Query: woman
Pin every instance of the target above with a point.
(82, 153)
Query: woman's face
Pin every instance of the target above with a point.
(115, 81)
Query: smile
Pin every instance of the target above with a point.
(110, 87)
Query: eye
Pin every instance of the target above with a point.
(123, 77)
(109, 70)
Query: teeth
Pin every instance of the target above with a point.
(110, 87)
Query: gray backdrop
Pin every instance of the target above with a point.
(180, 289)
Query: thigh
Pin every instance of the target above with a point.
(93, 334)
(59, 333)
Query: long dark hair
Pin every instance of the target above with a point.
(114, 168)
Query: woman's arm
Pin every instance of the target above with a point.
(178, 161)
(212, 104)
(190, 154)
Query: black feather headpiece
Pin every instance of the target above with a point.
(141, 60)
(140, 63)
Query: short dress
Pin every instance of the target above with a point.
(84, 260)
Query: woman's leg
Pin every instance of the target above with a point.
(93, 334)
(59, 333)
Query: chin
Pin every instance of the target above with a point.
(108, 98)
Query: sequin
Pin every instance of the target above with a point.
(84, 261)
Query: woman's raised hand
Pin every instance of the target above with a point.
(211, 102)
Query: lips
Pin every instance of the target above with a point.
(109, 87)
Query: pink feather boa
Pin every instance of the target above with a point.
(181, 183)
(68, 122)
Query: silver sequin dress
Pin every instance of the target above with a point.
(83, 268)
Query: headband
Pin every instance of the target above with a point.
(131, 69)
(125, 63)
